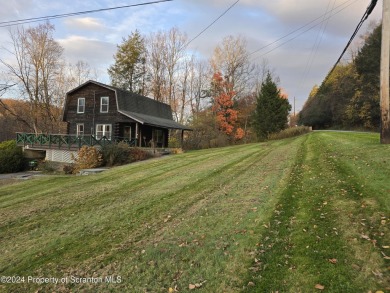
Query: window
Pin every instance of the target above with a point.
(103, 130)
(81, 105)
(80, 130)
(104, 104)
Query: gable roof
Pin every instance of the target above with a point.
(140, 108)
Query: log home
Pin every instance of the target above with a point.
(97, 114)
(103, 111)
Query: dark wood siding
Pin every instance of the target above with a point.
(92, 116)
(92, 92)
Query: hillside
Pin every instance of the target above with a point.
(288, 216)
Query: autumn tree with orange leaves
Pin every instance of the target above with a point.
(226, 115)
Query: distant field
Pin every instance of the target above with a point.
(297, 215)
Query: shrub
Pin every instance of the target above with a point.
(290, 132)
(116, 154)
(68, 169)
(11, 157)
(88, 157)
(137, 154)
(47, 166)
(174, 142)
(177, 151)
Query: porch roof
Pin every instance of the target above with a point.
(153, 120)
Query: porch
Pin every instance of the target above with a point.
(63, 147)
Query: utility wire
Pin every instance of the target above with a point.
(206, 28)
(301, 33)
(317, 42)
(369, 9)
(37, 19)
(302, 27)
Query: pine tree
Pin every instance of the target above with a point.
(129, 71)
(272, 109)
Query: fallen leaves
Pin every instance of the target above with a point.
(332, 260)
(196, 285)
(319, 287)
(385, 256)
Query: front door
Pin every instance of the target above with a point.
(127, 132)
(158, 137)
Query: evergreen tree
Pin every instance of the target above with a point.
(272, 109)
(129, 71)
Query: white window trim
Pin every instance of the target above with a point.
(101, 104)
(78, 105)
(104, 131)
(78, 129)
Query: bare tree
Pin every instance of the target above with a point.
(156, 44)
(231, 58)
(198, 86)
(172, 59)
(166, 61)
(69, 76)
(37, 59)
(81, 72)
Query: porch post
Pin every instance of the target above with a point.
(136, 133)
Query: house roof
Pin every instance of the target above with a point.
(140, 108)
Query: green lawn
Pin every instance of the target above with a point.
(286, 216)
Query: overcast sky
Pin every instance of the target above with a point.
(300, 63)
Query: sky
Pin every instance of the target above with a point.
(302, 38)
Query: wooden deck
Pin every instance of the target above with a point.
(64, 141)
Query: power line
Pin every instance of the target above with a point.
(369, 9)
(317, 42)
(302, 27)
(293, 38)
(206, 28)
(37, 19)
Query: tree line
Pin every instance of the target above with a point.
(223, 99)
(218, 97)
(349, 98)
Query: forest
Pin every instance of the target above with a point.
(348, 98)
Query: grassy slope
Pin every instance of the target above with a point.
(331, 225)
(271, 214)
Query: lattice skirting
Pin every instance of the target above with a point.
(62, 156)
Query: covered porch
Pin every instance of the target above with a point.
(139, 135)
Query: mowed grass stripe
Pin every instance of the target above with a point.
(201, 242)
(131, 177)
(16, 194)
(105, 206)
(316, 238)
